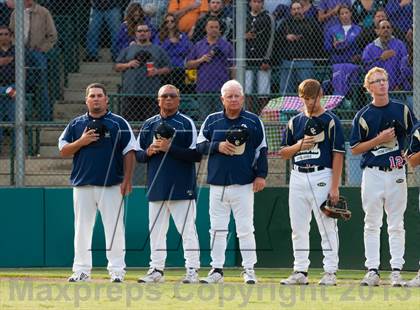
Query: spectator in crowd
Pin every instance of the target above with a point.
(386, 52)
(308, 9)
(371, 33)
(188, 12)
(142, 64)
(134, 15)
(259, 36)
(177, 45)
(226, 22)
(328, 11)
(100, 11)
(400, 13)
(7, 78)
(155, 9)
(213, 59)
(339, 42)
(40, 36)
(364, 10)
(296, 35)
(6, 7)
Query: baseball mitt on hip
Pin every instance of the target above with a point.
(339, 210)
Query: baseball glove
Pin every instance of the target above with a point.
(238, 136)
(163, 130)
(315, 128)
(339, 210)
(98, 126)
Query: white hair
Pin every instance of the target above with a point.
(232, 84)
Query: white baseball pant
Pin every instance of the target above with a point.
(307, 191)
(240, 200)
(263, 82)
(183, 213)
(384, 190)
(87, 200)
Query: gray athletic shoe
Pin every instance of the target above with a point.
(296, 278)
(396, 279)
(79, 277)
(117, 276)
(191, 276)
(213, 277)
(152, 276)
(329, 279)
(415, 282)
(371, 278)
(249, 276)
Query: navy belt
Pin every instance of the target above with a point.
(385, 169)
(308, 169)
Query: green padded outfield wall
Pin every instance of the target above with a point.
(37, 231)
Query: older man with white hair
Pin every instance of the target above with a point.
(235, 142)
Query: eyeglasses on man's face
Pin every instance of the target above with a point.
(378, 81)
(169, 95)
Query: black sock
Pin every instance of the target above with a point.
(375, 270)
(304, 273)
(160, 271)
(396, 269)
(218, 270)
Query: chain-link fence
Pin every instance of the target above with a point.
(134, 47)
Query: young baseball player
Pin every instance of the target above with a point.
(235, 142)
(379, 132)
(314, 141)
(167, 144)
(102, 145)
(413, 155)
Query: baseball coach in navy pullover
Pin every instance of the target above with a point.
(235, 142)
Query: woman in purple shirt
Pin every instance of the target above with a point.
(177, 45)
(339, 42)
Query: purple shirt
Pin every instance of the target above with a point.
(326, 5)
(392, 65)
(406, 70)
(212, 75)
(177, 52)
(400, 17)
(347, 48)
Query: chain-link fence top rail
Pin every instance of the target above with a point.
(134, 47)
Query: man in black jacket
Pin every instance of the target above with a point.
(300, 39)
(259, 38)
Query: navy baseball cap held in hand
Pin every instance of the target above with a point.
(163, 130)
(315, 128)
(238, 136)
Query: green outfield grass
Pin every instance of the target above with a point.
(48, 289)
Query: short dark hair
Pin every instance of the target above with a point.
(343, 7)
(212, 19)
(95, 85)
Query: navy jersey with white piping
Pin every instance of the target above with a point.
(414, 144)
(170, 175)
(370, 121)
(322, 152)
(237, 169)
(99, 163)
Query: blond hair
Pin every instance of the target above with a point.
(371, 72)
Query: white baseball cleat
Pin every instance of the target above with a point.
(296, 278)
(396, 279)
(117, 276)
(371, 278)
(79, 277)
(249, 276)
(329, 279)
(213, 277)
(191, 276)
(152, 276)
(415, 282)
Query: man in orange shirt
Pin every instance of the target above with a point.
(188, 12)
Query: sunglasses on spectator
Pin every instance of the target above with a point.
(377, 81)
(142, 30)
(170, 95)
(170, 21)
(385, 27)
